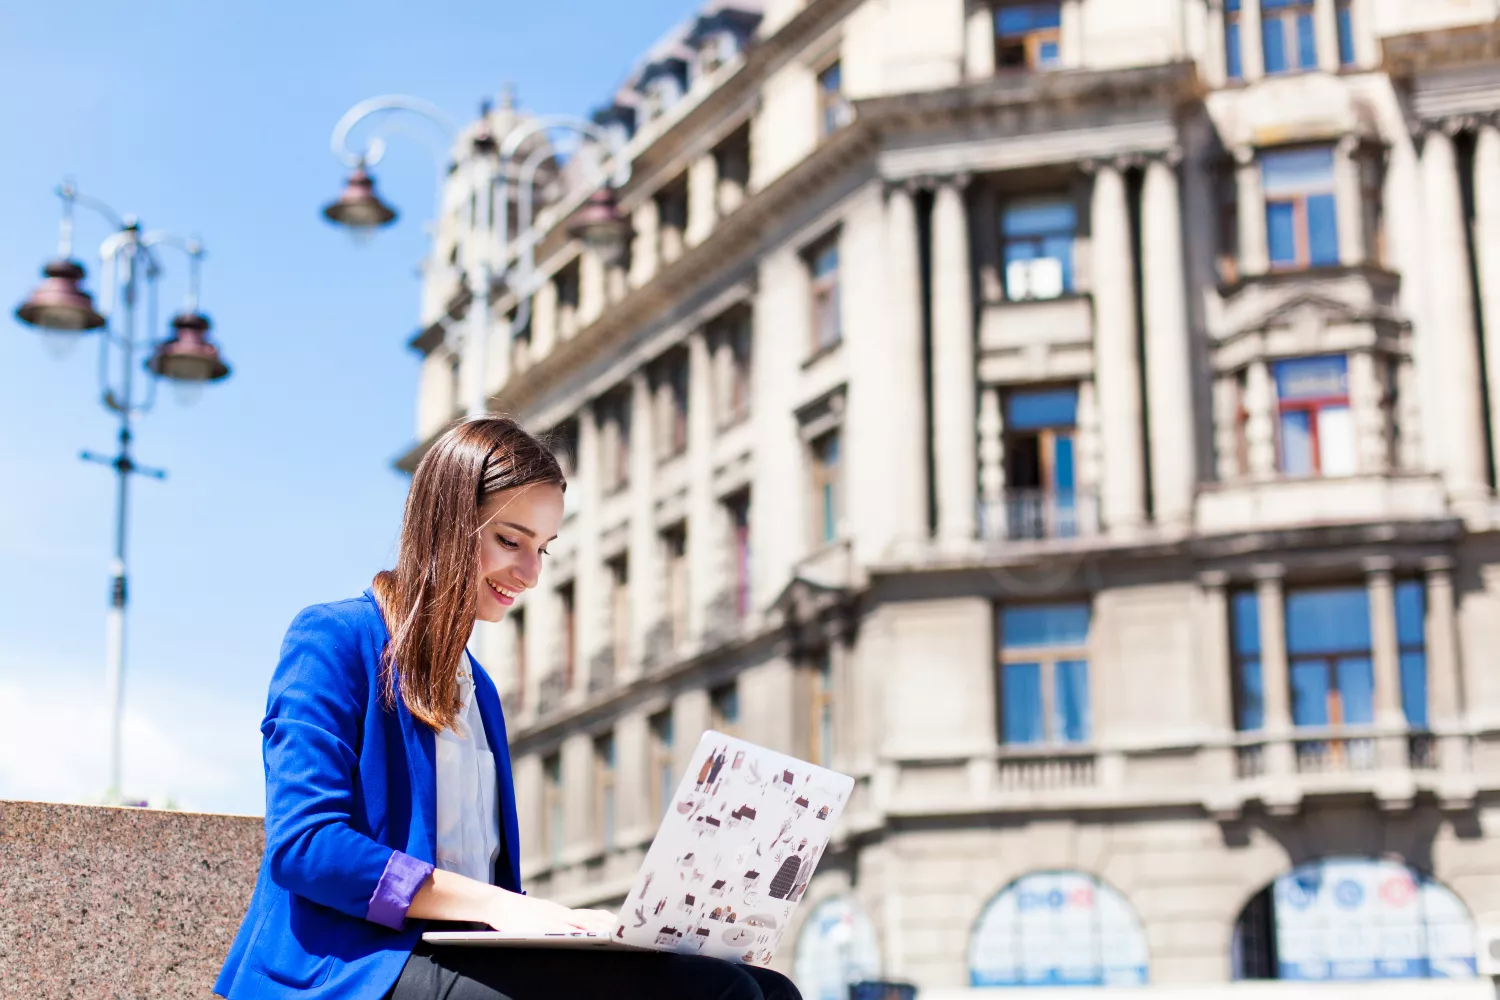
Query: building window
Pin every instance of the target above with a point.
(724, 708)
(614, 455)
(1287, 36)
(662, 785)
(1314, 424)
(567, 615)
(820, 709)
(672, 215)
(619, 610)
(1027, 35)
(1044, 674)
(836, 948)
(1041, 499)
(552, 806)
(1411, 639)
(827, 485)
(823, 260)
(1301, 217)
(674, 551)
(1331, 679)
(567, 282)
(738, 509)
(518, 655)
(730, 336)
(1037, 238)
(1346, 32)
(672, 405)
(1233, 64)
(1058, 928)
(1227, 190)
(1249, 693)
(834, 109)
(604, 790)
(1352, 918)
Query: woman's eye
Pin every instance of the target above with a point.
(544, 552)
(508, 543)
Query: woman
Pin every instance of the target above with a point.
(389, 800)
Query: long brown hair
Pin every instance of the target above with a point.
(429, 601)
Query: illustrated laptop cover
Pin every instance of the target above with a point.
(732, 858)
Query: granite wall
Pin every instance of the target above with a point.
(119, 904)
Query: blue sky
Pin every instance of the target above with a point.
(213, 119)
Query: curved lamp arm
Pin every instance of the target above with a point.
(376, 105)
(193, 248)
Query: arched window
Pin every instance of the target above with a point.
(1354, 918)
(836, 947)
(1058, 929)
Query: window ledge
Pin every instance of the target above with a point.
(1275, 276)
(822, 352)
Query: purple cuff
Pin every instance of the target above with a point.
(398, 886)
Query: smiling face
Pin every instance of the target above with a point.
(517, 525)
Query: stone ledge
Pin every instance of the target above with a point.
(122, 903)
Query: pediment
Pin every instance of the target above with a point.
(802, 599)
(1310, 307)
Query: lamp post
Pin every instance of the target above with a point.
(514, 157)
(60, 307)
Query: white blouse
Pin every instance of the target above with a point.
(468, 817)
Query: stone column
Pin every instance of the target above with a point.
(591, 290)
(954, 439)
(1326, 30)
(1227, 430)
(703, 198)
(991, 463)
(1087, 443)
(643, 260)
(1450, 331)
(979, 43)
(544, 318)
(705, 537)
(1487, 252)
(1260, 421)
(1385, 659)
(590, 583)
(1274, 681)
(1172, 424)
(1255, 253)
(908, 445)
(1070, 35)
(1444, 709)
(1252, 54)
(1367, 400)
(1409, 415)
(645, 573)
(1216, 694)
(1117, 368)
(1349, 195)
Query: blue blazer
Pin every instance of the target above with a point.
(351, 818)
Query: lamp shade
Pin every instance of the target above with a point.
(358, 206)
(188, 355)
(59, 302)
(602, 227)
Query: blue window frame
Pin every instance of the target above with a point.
(1249, 691)
(1301, 214)
(1288, 37)
(1044, 674)
(1040, 472)
(1036, 238)
(1233, 63)
(1027, 35)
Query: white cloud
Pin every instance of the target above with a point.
(185, 745)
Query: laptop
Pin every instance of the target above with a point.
(731, 860)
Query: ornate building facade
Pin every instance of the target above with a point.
(1077, 420)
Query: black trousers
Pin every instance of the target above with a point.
(474, 973)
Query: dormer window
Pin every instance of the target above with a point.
(714, 51)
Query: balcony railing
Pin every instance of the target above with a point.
(551, 692)
(602, 674)
(1037, 515)
(1046, 770)
(1339, 750)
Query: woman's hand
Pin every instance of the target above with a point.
(519, 914)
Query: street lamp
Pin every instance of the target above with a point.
(486, 262)
(60, 307)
